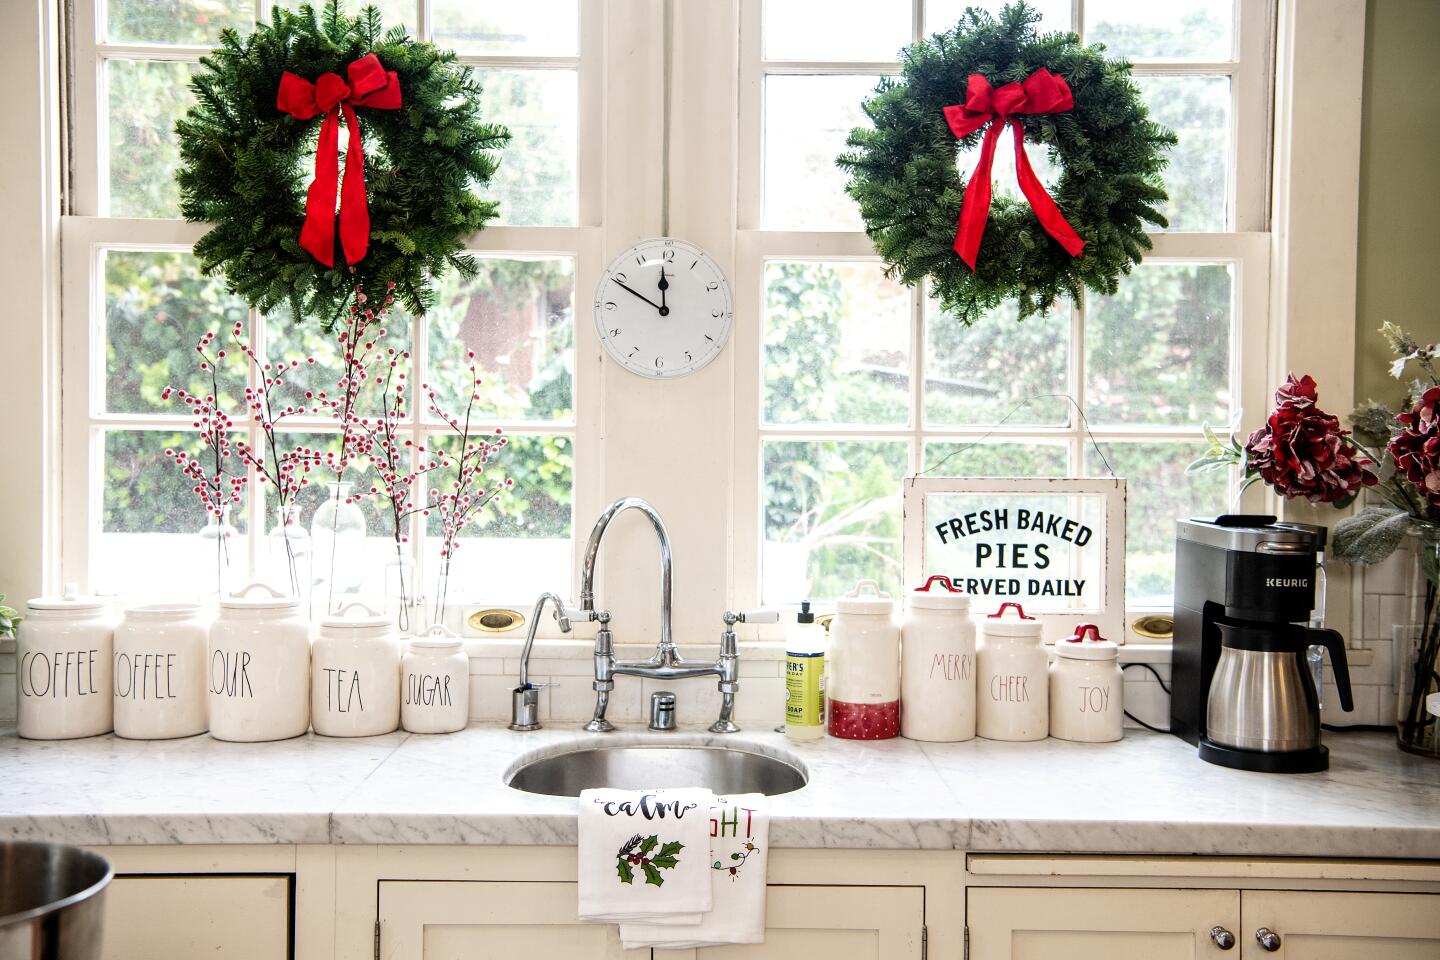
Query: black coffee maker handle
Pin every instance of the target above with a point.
(1335, 644)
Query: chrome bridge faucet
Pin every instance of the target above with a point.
(667, 663)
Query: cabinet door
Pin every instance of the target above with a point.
(186, 918)
(1342, 926)
(464, 919)
(1041, 923)
(837, 923)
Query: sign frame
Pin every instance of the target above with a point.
(1055, 626)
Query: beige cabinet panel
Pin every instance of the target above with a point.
(837, 923)
(187, 918)
(1009, 923)
(1342, 926)
(463, 920)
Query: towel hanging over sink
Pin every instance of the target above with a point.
(644, 855)
(739, 855)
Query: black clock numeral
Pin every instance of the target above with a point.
(667, 255)
(615, 332)
(659, 363)
(692, 264)
(609, 304)
(710, 338)
(688, 358)
(711, 286)
(619, 277)
(640, 259)
(633, 351)
(715, 313)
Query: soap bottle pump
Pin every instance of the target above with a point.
(805, 677)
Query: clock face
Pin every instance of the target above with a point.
(663, 309)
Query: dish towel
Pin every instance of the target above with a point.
(643, 855)
(739, 844)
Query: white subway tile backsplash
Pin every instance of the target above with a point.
(1367, 706)
(7, 698)
(1391, 575)
(7, 663)
(1370, 619)
(490, 697)
(1393, 610)
(761, 702)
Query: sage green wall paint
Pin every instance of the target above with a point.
(1399, 257)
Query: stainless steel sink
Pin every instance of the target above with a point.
(721, 769)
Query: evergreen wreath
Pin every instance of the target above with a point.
(904, 176)
(245, 162)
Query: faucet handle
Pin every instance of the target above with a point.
(570, 614)
(752, 616)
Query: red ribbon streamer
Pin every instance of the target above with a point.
(1042, 92)
(370, 85)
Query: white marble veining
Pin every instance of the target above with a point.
(1146, 794)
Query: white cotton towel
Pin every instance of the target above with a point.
(739, 853)
(643, 855)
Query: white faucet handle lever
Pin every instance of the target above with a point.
(754, 616)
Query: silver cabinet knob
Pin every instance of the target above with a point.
(1268, 939)
(1223, 938)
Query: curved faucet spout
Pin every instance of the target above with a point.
(592, 554)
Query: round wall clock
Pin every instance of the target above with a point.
(663, 309)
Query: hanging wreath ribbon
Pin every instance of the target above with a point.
(1041, 92)
(370, 85)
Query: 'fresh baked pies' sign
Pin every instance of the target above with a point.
(1055, 546)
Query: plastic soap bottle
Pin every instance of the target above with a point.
(805, 677)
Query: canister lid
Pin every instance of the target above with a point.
(346, 619)
(69, 600)
(938, 593)
(867, 598)
(1021, 625)
(437, 637)
(272, 600)
(1087, 644)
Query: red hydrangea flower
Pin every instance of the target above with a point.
(1302, 452)
(1417, 448)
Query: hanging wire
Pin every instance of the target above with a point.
(1084, 422)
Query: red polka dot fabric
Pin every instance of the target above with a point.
(863, 721)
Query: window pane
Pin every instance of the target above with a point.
(536, 182)
(392, 12)
(287, 341)
(157, 305)
(520, 543)
(1003, 182)
(176, 21)
(145, 99)
(1197, 177)
(1159, 350)
(832, 516)
(150, 541)
(842, 30)
(1174, 30)
(990, 459)
(1158, 493)
(548, 27)
(980, 374)
(807, 119)
(837, 344)
(944, 14)
(518, 317)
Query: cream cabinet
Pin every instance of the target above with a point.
(193, 917)
(1191, 924)
(451, 920)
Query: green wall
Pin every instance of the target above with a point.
(1399, 262)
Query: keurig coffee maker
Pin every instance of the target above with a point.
(1240, 687)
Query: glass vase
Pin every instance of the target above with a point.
(218, 545)
(403, 604)
(1417, 653)
(288, 553)
(337, 542)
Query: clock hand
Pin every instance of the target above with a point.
(640, 295)
(664, 285)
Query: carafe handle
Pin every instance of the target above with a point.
(1335, 644)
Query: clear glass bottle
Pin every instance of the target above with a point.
(288, 561)
(403, 604)
(337, 540)
(218, 551)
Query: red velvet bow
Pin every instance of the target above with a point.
(370, 86)
(1042, 92)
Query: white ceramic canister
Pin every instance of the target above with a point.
(937, 664)
(258, 667)
(863, 667)
(435, 683)
(355, 674)
(64, 650)
(1012, 687)
(1087, 688)
(160, 672)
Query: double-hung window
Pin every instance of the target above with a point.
(849, 381)
(135, 303)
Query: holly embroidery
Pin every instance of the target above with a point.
(638, 852)
(737, 860)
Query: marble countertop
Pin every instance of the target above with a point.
(1147, 794)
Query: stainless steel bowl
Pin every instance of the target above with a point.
(52, 901)
(721, 769)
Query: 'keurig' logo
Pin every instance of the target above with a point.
(1287, 581)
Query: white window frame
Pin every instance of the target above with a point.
(85, 236)
(1246, 249)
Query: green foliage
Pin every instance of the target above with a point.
(1371, 535)
(245, 164)
(904, 177)
(9, 618)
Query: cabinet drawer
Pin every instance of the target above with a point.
(190, 917)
